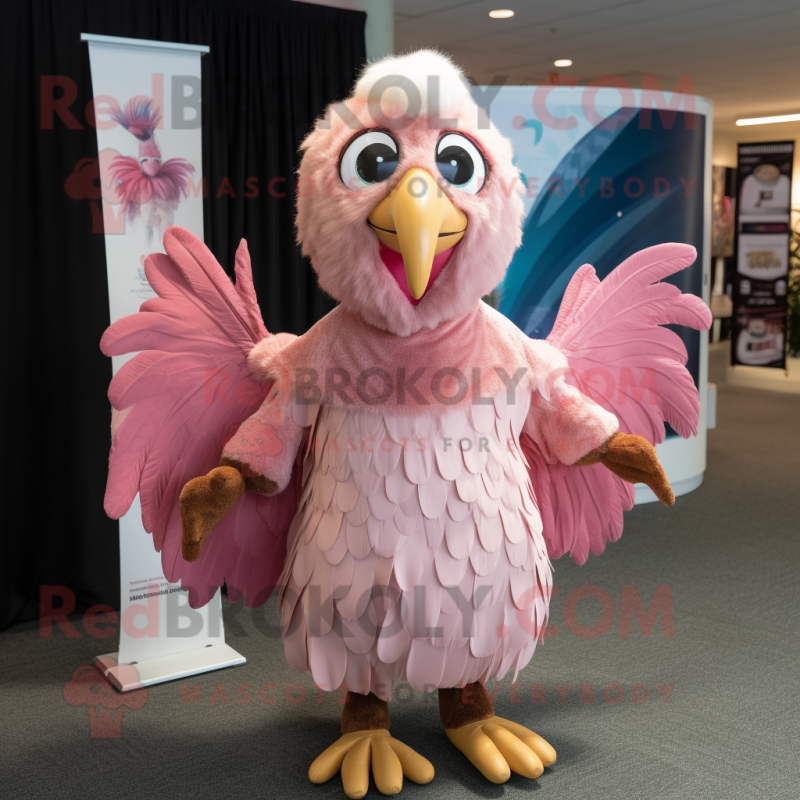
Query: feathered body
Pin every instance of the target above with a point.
(422, 450)
(417, 551)
(151, 189)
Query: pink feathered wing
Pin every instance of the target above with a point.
(621, 357)
(178, 403)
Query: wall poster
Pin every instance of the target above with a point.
(762, 254)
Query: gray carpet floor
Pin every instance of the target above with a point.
(730, 555)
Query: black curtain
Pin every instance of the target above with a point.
(272, 69)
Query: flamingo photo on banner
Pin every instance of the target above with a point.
(150, 186)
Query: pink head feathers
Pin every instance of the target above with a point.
(410, 104)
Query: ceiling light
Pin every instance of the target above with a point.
(768, 120)
(563, 62)
(501, 13)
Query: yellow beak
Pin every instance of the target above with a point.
(419, 221)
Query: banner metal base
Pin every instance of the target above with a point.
(167, 668)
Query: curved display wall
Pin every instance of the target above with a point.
(608, 172)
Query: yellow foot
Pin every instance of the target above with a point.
(391, 760)
(498, 747)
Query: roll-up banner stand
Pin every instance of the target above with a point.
(609, 171)
(147, 110)
(764, 175)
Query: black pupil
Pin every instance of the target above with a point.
(376, 162)
(455, 164)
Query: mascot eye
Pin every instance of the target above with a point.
(369, 158)
(461, 163)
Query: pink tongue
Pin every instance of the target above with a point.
(393, 261)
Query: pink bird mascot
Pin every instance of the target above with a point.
(403, 471)
(151, 189)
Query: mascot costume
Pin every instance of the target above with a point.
(402, 473)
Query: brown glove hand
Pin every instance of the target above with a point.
(207, 499)
(634, 459)
(252, 482)
(204, 502)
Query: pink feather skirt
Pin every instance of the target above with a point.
(416, 553)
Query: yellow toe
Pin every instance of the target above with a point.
(355, 769)
(481, 751)
(519, 757)
(498, 747)
(543, 749)
(416, 768)
(386, 768)
(329, 762)
(353, 755)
